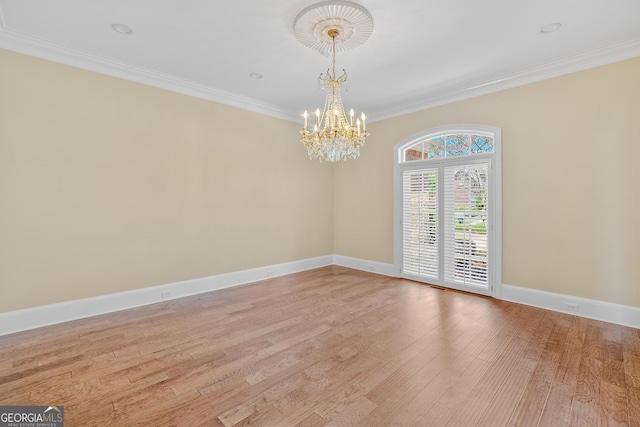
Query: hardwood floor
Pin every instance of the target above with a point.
(331, 346)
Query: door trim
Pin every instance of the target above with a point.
(495, 236)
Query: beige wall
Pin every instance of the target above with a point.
(108, 185)
(571, 182)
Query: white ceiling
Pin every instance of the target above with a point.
(421, 52)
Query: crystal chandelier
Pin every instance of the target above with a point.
(332, 135)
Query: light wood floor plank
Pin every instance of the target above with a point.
(586, 402)
(533, 400)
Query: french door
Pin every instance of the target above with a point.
(447, 232)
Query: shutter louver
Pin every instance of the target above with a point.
(420, 222)
(466, 224)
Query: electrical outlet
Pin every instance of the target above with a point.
(570, 306)
(269, 273)
(166, 294)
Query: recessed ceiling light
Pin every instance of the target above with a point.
(122, 29)
(255, 76)
(550, 28)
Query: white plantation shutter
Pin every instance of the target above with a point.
(420, 223)
(466, 224)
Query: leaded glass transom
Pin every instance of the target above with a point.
(448, 145)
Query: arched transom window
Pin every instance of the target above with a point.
(449, 145)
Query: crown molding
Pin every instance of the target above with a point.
(441, 96)
(61, 54)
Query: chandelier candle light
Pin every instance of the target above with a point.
(334, 136)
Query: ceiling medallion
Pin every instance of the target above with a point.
(353, 22)
(329, 27)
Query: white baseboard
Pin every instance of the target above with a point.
(364, 265)
(593, 309)
(31, 318)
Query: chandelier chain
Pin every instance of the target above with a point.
(333, 34)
